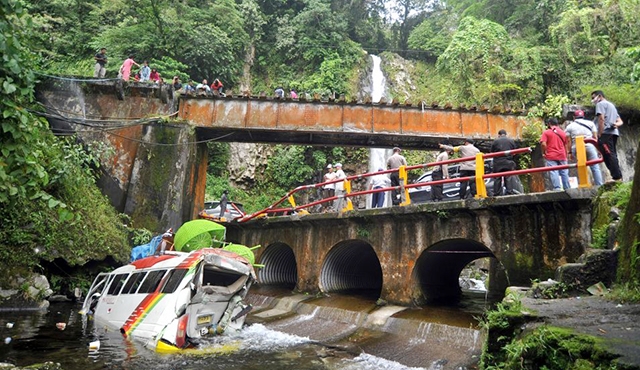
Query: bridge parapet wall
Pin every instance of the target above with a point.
(529, 235)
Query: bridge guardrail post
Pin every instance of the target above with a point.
(581, 157)
(402, 174)
(347, 190)
(481, 189)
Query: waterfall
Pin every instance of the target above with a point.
(377, 156)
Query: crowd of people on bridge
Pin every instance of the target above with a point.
(146, 73)
(558, 146)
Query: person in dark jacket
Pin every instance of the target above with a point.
(503, 163)
(223, 203)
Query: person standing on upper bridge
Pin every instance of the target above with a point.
(101, 62)
(503, 163)
(125, 68)
(395, 161)
(553, 142)
(583, 127)
(467, 168)
(145, 72)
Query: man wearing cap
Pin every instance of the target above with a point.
(395, 161)
(328, 190)
(467, 168)
(378, 181)
(339, 203)
(503, 163)
(582, 127)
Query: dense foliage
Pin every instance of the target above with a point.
(49, 205)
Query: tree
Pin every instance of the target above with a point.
(432, 35)
(409, 14)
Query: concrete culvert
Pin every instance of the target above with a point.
(438, 267)
(352, 266)
(280, 267)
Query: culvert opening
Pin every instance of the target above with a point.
(438, 269)
(352, 267)
(280, 267)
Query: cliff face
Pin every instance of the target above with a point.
(247, 162)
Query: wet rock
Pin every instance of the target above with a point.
(593, 267)
(59, 298)
(614, 213)
(45, 366)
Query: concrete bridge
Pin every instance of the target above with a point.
(408, 255)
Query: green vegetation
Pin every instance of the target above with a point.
(516, 341)
(614, 196)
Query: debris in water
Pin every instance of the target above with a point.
(94, 346)
(61, 325)
(9, 325)
(7, 340)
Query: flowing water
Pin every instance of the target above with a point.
(307, 333)
(378, 156)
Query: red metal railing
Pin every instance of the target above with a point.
(582, 165)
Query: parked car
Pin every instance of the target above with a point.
(212, 210)
(451, 191)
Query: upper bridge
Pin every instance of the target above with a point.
(337, 122)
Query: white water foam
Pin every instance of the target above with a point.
(257, 337)
(368, 362)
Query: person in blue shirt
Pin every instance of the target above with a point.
(145, 72)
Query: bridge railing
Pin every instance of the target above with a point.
(581, 164)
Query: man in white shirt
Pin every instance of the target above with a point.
(378, 182)
(339, 203)
(396, 161)
(582, 127)
(328, 190)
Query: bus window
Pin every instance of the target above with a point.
(174, 280)
(133, 283)
(117, 284)
(150, 284)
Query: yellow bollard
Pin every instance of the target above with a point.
(402, 174)
(581, 157)
(481, 189)
(347, 190)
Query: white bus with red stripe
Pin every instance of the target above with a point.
(172, 300)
